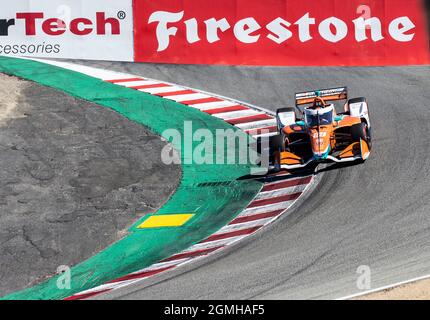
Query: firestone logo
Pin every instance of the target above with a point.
(249, 31)
(36, 23)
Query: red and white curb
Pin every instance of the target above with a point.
(249, 118)
(279, 192)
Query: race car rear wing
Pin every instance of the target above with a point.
(327, 94)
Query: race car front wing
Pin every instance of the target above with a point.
(363, 155)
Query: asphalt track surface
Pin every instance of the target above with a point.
(74, 176)
(375, 214)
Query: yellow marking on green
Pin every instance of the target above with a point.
(165, 220)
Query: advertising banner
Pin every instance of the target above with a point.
(281, 32)
(79, 29)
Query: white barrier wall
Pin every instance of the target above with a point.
(79, 29)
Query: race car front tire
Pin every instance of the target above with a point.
(361, 131)
(277, 143)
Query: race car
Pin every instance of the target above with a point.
(320, 134)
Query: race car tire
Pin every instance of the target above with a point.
(369, 137)
(361, 131)
(277, 143)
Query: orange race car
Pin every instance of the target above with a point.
(321, 134)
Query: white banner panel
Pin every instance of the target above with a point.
(76, 29)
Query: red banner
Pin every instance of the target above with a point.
(281, 32)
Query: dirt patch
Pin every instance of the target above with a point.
(73, 177)
(419, 290)
(9, 95)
